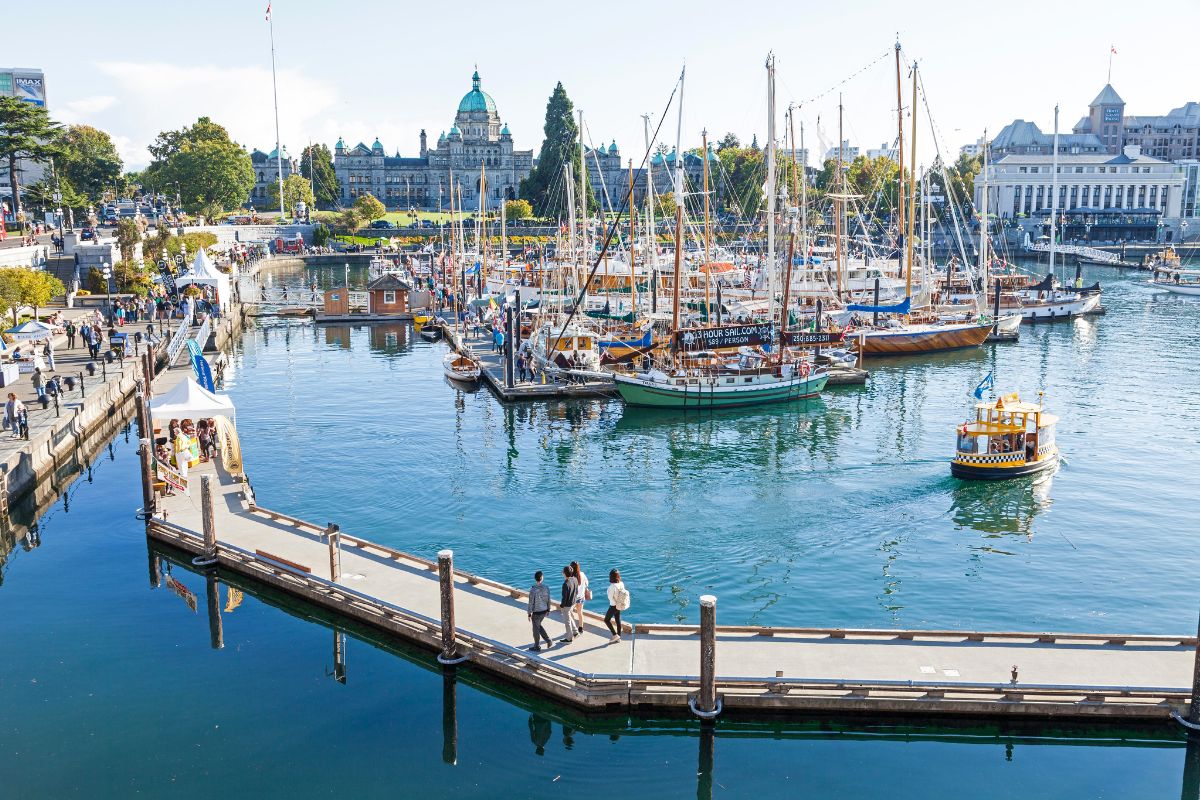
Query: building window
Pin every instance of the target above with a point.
(389, 297)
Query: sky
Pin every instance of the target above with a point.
(378, 69)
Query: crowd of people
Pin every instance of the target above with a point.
(187, 444)
(576, 590)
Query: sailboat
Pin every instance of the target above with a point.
(908, 337)
(699, 375)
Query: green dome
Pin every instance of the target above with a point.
(476, 100)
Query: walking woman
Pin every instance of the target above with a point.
(618, 601)
(585, 593)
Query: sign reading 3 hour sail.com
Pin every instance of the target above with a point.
(724, 337)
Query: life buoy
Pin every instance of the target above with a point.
(804, 369)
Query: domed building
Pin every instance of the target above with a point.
(476, 143)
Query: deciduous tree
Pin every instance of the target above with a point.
(518, 209)
(89, 161)
(295, 190)
(214, 173)
(368, 208)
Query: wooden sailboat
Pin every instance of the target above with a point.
(699, 376)
(913, 337)
(459, 367)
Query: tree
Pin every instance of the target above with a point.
(349, 219)
(876, 180)
(368, 208)
(518, 209)
(316, 164)
(320, 234)
(746, 171)
(89, 161)
(544, 188)
(26, 132)
(213, 172)
(128, 236)
(295, 190)
(729, 140)
(21, 286)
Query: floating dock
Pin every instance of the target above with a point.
(708, 669)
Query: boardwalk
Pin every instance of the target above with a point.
(778, 669)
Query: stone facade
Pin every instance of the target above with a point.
(266, 175)
(478, 144)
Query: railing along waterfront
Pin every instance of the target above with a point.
(178, 340)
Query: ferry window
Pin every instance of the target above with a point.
(692, 381)
(729, 380)
(966, 444)
(749, 380)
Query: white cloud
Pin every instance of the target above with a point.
(155, 96)
(79, 111)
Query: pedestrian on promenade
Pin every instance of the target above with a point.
(498, 340)
(566, 605)
(71, 330)
(48, 352)
(13, 410)
(539, 607)
(584, 593)
(120, 314)
(39, 382)
(618, 601)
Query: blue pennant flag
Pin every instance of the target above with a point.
(984, 385)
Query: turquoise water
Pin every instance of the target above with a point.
(841, 512)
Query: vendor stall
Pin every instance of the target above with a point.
(204, 272)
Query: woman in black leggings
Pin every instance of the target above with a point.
(617, 596)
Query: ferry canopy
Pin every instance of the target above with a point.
(190, 400)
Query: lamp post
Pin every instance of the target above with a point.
(106, 271)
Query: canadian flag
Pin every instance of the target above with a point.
(269, 15)
(1112, 48)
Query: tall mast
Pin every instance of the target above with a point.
(651, 233)
(503, 233)
(912, 183)
(900, 163)
(983, 213)
(569, 183)
(483, 229)
(1054, 190)
(771, 187)
(678, 218)
(707, 229)
(838, 201)
(275, 95)
(632, 245)
(803, 201)
(583, 204)
(791, 257)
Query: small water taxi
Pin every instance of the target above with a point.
(1007, 439)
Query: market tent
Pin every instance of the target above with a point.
(190, 400)
(204, 272)
(31, 331)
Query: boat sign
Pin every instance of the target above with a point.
(811, 338)
(725, 336)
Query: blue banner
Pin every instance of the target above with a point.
(200, 366)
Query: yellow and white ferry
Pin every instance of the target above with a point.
(1007, 439)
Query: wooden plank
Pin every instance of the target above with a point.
(282, 560)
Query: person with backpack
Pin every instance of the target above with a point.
(566, 605)
(618, 601)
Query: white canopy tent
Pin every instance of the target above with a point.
(190, 400)
(204, 272)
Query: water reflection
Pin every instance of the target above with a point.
(1001, 508)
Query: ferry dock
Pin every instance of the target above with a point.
(491, 368)
(706, 669)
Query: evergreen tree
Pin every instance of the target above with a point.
(26, 132)
(544, 188)
(316, 164)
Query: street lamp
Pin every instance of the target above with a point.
(106, 271)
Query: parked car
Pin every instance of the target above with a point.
(427, 223)
(382, 223)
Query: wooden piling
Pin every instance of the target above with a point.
(145, 449)
(148, 371)
(206, 514)
(706, 702)
(142, 412)
(1194, 709)
(335, 552)
(445, 560)
(216, 633)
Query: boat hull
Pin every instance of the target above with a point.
(929, 340)
(646, 394)
(1065, 309)
(1177, 288)
(971, 472)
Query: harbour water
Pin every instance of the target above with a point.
(840, 512)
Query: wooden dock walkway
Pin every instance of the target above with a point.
(757, 669)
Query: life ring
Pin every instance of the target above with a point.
(804, 369)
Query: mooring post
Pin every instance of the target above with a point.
(142, 412)
(449, 654)
(148, 371)
(216, 633)
(145, 450)
(707, 700)
(1194, 709)
(334, 538)
(206, 516)
(862, 349)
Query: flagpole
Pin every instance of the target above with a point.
(275, 94)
